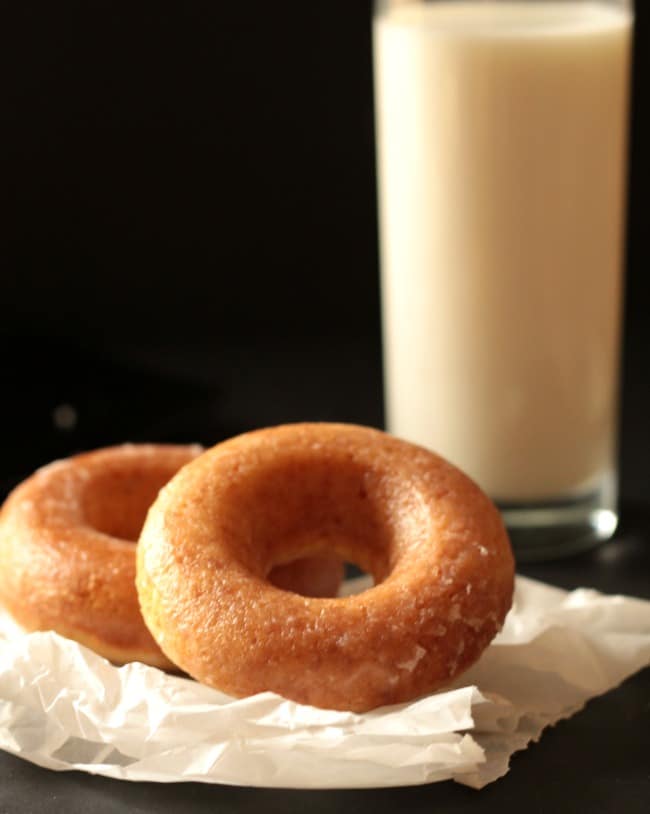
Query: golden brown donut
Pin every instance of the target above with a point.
(67, 549)
(433, 541)
(67, 553)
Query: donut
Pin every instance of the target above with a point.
(67, 549)
(434, 543)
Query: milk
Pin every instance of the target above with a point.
(501, 133)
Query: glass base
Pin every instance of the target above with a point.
(552, 529)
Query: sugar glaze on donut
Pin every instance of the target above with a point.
(67, 553)
(435, 544)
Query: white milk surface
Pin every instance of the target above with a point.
(501, 156)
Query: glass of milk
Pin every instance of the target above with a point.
(501, 145)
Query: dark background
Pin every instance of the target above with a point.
(189, 241)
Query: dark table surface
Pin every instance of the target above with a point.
(598, 761)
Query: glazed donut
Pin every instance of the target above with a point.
(67, 549)
(67, 553)
(434, 543)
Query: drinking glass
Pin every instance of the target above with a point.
(501, 148)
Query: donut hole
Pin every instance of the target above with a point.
(356, 580)
(319, 575)
(116, 502)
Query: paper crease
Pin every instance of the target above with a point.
(63, 707)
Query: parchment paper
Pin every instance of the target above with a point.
(63, 707)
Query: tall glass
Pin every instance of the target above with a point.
(501, 142)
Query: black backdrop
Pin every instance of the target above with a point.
(184, 179)
(197, 169)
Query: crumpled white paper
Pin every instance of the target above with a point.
(63, 707)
